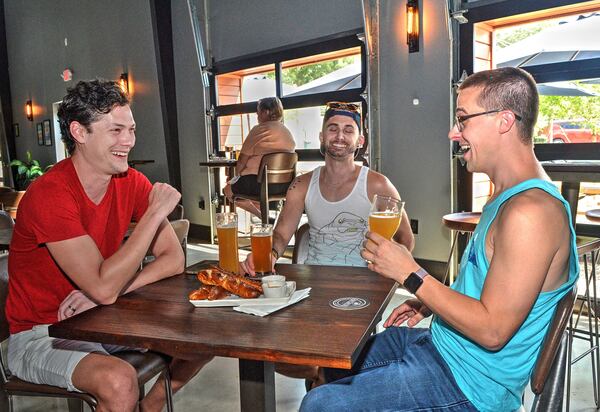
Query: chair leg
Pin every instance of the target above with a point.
(168, 391)
(5, 401)
(76, 405)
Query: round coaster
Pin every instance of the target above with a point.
(349, 303)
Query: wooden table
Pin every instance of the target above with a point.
(159, 317)
(571, 174)
(134, 163)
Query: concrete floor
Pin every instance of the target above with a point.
(216, 387)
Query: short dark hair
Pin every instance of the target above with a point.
(508, 88)
(271, 105)
(85, 102)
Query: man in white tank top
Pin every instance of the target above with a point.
(336, 197)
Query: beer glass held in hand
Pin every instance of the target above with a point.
(385, 215)
(227, 225)
(262, 243)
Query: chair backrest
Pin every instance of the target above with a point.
(552, 345)
(181, 228)
(301, 246)
(4, 332)
(11, 199)
(177, 213)
(6, 221)
(279, 167)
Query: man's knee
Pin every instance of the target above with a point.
(111, 380)
(315, 400)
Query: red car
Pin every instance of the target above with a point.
(572, 131)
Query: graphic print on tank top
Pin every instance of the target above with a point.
(343, 234)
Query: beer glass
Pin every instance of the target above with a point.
(261, 241)
(227, 225)
(385, 215)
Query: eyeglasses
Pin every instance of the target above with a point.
(460, 120)
(350, 107)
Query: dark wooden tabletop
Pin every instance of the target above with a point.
(159, 317)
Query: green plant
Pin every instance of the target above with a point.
(28, 170)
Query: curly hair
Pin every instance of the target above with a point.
(84, 103)
(272, 106)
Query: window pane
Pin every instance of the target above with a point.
(553, 40)
(234, 129)
(569, 112)
(305, 124)
(322, 73)
(247, 85)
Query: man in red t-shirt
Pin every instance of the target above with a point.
(67, 254)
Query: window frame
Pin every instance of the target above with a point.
(278, 56)
(543, 73)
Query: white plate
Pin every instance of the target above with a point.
(234, 300)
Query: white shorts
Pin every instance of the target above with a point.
(35, 357)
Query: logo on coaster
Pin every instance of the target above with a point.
(349, 303)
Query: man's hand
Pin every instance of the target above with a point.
(76, 302)
(388, 258)
(162, 199)
(247, 266)
(412, 311)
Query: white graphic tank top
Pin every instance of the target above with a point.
(337, 229)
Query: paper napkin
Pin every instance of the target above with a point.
(264, 310)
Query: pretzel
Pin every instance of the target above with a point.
(238, 285)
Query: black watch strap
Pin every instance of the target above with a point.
(414, 281)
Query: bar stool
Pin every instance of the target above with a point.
(461, 223)
(588, 249)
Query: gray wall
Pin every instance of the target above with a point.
(105, 38)
(414, 144)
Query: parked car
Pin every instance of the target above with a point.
(571, 131)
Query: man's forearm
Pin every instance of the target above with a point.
(164, 266)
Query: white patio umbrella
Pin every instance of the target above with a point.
(574, 40)
(563, 89)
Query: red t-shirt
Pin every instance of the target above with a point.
(57, 208)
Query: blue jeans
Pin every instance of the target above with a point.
(398, 370)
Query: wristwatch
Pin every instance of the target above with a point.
(275, 253)
(414, 281)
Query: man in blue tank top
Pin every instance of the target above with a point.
(491, 322)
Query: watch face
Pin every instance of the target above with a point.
(413, 282)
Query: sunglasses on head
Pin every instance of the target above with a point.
(350, 107)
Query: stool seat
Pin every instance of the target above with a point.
(463, 221)
(593, 214)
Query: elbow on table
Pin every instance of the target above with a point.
(103, 296)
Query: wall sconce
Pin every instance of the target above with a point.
(412, 25)
(29, 110)
(124, 82)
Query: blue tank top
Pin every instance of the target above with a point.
(494, 380)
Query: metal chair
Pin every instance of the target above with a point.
(548, 377)
(177, 213)
(147, 365)
(274, 168)
(182, 228)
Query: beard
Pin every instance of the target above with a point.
(350, 150)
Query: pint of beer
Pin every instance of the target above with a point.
(227, 225)
(262, 242)
(385, 215)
